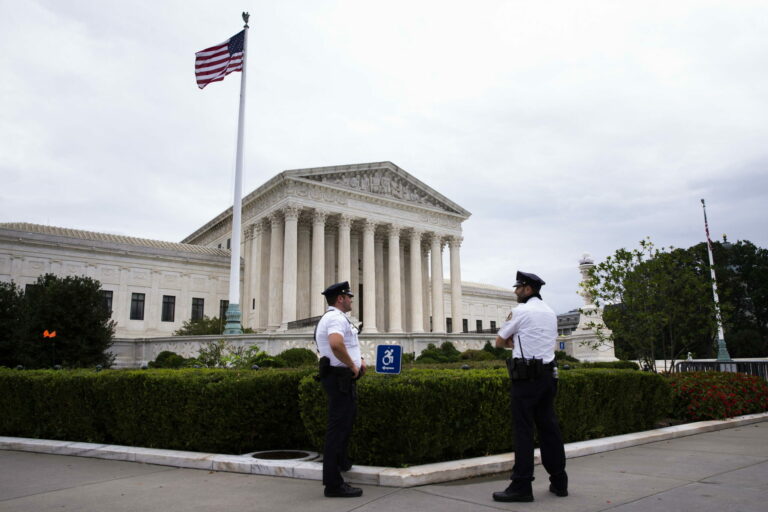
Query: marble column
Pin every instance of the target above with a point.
(343, 257)
(456, 306)
(245, 289)
(317, 301)
(255, 281)
(330, 256)
(263, 302)
(404, 288)
(354, 272)
(290, 265)
(417, 318)
(425, 287)
(369, 278)
(438, 316)
(303, 284)
(381, 306)
(275, 272)
(395, 308)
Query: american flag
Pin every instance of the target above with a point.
(216, 62)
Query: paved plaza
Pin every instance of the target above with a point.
(720, 471)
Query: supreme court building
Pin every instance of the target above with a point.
(373, 225)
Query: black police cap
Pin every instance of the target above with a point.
(526, 278)
(338, 289)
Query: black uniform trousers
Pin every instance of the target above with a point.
(533, 402)
(342, 408)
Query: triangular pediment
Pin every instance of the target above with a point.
(383, 179)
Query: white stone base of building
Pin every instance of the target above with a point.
(136, 352)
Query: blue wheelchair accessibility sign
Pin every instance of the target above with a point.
(388, 358)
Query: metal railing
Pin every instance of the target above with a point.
(757, 368)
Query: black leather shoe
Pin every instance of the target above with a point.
(517, 491)
(558, 484)
(562, 492)
(343, 491)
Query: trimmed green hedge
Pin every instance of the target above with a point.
(431, 415)
(423, 415)
(220, 411)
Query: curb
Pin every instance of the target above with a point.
(372, 475)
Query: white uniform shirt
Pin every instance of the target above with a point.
(335, 321)
(534, 326)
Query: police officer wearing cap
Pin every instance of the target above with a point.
(531, 331)
(340, 366)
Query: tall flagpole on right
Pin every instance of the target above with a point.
(722, 350)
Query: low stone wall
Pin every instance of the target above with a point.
(135, 352)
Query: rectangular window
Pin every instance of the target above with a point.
(479, 324)
(465, 325)
(229, 243)
(223, 305)
(254, 304)
(169, 308)
(198, 308)
(107, 296)
(137, 306)
(449, 324)
(493, 325)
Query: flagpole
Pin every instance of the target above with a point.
(234, 325)
(722, 350)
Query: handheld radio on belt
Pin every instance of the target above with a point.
(520, 368)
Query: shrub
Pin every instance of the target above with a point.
(615, 365)
(497, 352)
(561, 356)
(205, 326)
(447, 353)
(716, 395)
(477, 355)
(168, 359)
(220, 411)
(296, 357)
(433, 415)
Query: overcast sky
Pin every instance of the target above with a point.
(564, 127)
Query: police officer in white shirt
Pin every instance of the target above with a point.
(531, 332)
(340, 366)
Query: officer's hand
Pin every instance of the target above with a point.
(355, 371)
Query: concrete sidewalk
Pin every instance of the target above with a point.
(718, 471)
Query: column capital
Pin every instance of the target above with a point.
(291, 212)
(275, 218)
(319, 216)
(393, 230)
(248, 233)
(258, 228)
(345, 221)
(369, 226)
(455, 240)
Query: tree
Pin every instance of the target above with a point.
(742, 281)
(71, 307)
(658, 303)
(10, 313)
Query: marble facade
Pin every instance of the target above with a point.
(373, 224)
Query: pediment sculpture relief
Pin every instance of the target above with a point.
(382, 183)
